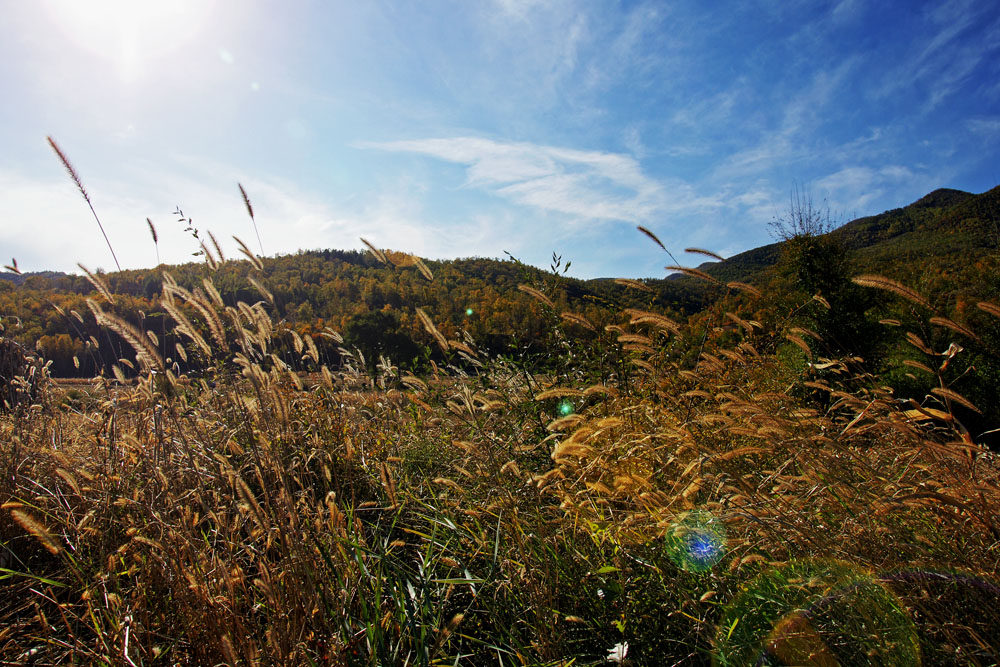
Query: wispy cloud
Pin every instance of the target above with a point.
(527, 52)
(944, 61)
(846, 11)
(584, 184)
(790, 141)
(760, 203)
(632, 139)
(32, 206)
(630, 45)
(858, 186)
(985, 128)
(517, 8)
(701, 122)
(951, 73)
(954, 17)
(290, 218)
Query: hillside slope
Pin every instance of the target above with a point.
(946, 228)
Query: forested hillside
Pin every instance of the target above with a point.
(944, 230)
(346, 291)
(944, 246)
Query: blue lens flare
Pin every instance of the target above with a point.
(704, 547)
(696, 541)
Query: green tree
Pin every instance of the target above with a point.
(378, 333)
(816, 260)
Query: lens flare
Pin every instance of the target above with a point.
(468, 312)
(565, 408)
(958, 608)
(821, 612)
(696, 541)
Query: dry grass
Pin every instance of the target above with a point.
(712, 502)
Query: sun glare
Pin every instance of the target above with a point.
(131, 35)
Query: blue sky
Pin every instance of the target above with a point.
(455, 129)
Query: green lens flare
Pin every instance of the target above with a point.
(821, 612)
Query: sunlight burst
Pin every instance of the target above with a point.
(129, 35)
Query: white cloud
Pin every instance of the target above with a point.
(846, 11)
(49, 227)
(517, 8)
(950, 73)
(790, 141)
(529, 50)
(945, 60)
(987, 128)
(572, 201)
(713, 110)
(855, 188)
(754, 197)
(633, 43)
(632, 139)
(44, 220)
(583, 184)
(291, 218)
(895, 172)
(855, 181)
(955, 16)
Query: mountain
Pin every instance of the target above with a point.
(947, 241)
(946, 228)
(21, 278)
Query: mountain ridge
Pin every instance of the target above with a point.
(947, 226)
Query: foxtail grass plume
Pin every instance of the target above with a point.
(83, 191)
(707, 253)
(657, 241)
(156, 239)
(246, 201)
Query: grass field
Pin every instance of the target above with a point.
(712, 496)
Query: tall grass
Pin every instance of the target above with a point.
(712, 492)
